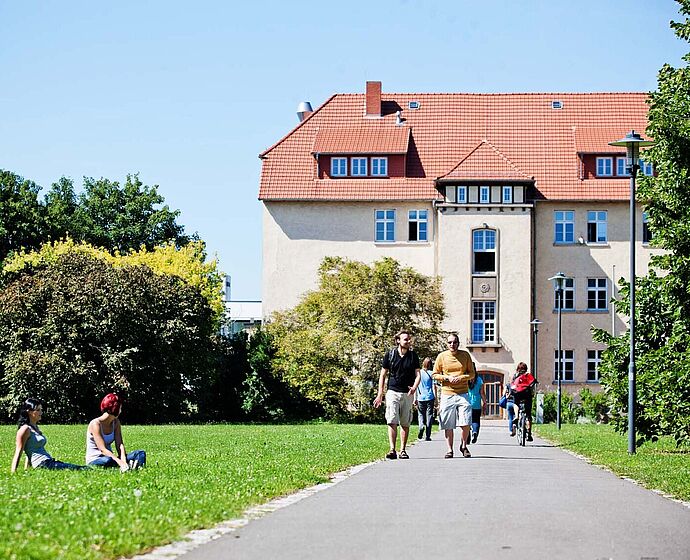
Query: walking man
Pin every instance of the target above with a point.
(454, 370)
(401, 367)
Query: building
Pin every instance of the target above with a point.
(494, 193)
(240, 315)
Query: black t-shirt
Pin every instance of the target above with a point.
(402, 369)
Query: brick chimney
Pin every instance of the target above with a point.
(373, 103)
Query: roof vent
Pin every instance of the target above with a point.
(304, 110)
(557, 105)
(413, 105)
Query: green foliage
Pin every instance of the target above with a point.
(79, 327)
(594, 405)
(21, 215)
(568, 409)
(197, 476)
(331, 344)
(662, 301)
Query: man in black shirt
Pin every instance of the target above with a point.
(401, 367)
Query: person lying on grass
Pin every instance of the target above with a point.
(31, 440)
(105, 430)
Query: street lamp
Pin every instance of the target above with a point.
(632, 143)
(535, 329)
(558, 284)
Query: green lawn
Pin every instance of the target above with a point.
(659, 465)
(196, 476)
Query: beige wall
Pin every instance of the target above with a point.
(580, 261)
(297, 236)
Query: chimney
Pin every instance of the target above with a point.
(304, 110)
(373, 107)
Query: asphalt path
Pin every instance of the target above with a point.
(505, 501)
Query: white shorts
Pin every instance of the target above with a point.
(454, 411)
(399, 408)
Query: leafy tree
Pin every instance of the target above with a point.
(60, 211)
(21, 214)
(662, 300)
(80, 327)
(330, 345)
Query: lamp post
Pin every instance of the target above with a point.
(558, 283)
(632, 143)
(535, 330)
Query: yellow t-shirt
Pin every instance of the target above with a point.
(451, 364)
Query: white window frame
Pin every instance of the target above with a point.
(646, 168)
(646, 232)
(337, 167)
(462, 195)
(484, 317)
(379, 167)
(568, 296)
(358, 166)
(386, 218)
(605, 166)
(485, 245)
(599, 293)
(622, 167)
(599, 220)
(564, 218)
(568, 365)
(421, 219)
(593, 361)
(484, 195)
(507, 195)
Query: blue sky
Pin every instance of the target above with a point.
(188, 94)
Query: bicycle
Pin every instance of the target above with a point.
(521, 424)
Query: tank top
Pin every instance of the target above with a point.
(35, 447)
(92, 451)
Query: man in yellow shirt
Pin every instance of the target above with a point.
(454, 370)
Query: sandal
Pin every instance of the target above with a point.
(391, 454)
(448, 455)
(403, 454)
(465, 452)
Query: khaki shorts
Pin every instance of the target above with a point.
(455, 410)
(399, 408)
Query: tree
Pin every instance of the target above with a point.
(662, 300)
(330, 345)
(60, 211)
(21, 214)
(80, 327)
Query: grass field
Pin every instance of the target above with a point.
(196, 476)
(659, 465)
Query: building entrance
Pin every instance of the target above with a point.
(493, 390)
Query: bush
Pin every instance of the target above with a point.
(568, 410)
(594, 406)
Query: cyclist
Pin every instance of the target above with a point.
(521, 391)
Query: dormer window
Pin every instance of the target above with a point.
(338, 167)
(604, 167)
(379, 166)
(622, 167)
(359, 166)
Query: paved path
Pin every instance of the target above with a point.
(505, 502)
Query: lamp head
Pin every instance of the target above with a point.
(632, 144)
(558, 281)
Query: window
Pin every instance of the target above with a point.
(338, 167)
(379, 166)
(564, 226)
(507, 195)
(567, 366)
(646, 168)
(593, 360)
(568, 295)
(484, 195)
(484, 251)
(385, 225)
(359, 166)
(596, 294)
(596, 227)
(646, 232)
(462, 195)
(417, 225)
(622, 167)
(604, 166)
(483, 322)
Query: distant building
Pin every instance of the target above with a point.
(494, 193)
(240, 315)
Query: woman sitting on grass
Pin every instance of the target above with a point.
(31, 440)
(105, 430)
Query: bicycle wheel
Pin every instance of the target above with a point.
(522, 429)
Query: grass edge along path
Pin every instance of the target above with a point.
(197, 476)
(659, 466)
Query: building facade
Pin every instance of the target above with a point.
(494, 193)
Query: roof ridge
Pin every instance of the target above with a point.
(496, 93)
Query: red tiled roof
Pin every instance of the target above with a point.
(370, 137)
(460, 133)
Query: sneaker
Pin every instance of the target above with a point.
(465, 452)
(391, 454)
(403, 454)
(529, 436)
(513, 431)
(428, 439)
(474, 437)
(421, 434)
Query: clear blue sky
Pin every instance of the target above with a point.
(188, 94)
